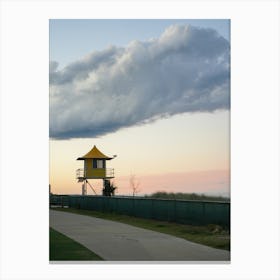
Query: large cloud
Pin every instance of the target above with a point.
(186, 69)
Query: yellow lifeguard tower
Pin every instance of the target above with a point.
(95, 168)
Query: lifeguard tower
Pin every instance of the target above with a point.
(95, 168)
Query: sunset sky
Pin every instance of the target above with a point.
(154, 92)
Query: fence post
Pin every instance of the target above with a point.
(175, 210)
(203, 213)
(152, 210)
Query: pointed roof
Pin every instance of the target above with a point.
(94, 153)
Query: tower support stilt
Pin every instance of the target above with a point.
(84, 188)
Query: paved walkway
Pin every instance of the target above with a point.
(115, 241)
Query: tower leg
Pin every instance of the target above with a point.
(84, 188)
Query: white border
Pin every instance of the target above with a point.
(254, 138)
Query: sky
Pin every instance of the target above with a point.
(154, 92)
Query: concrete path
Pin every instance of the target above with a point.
(115, 241)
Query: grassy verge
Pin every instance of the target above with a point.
(210, 235)
(63, 248)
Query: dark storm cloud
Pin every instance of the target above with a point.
(185, 70)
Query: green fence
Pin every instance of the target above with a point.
(179, 211)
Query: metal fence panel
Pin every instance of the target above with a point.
(142, 208)
(59, 200)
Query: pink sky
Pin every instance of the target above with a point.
(204, 182)
(193, 159)
(215, 182)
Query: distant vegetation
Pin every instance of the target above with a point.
(187, 196)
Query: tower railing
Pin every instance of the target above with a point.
(109, 173)
(79, 173)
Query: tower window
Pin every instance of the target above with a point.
(98, 163)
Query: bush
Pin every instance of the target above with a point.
(186, 196)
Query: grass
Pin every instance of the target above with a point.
(211, 235)
(63, 248)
